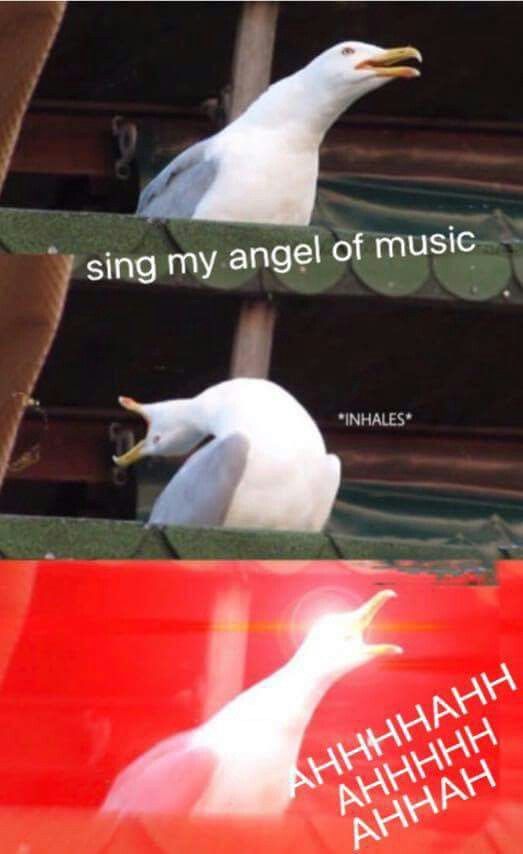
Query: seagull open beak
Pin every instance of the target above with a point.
(361, 619)
(131, 456)
(386, 64)
(135, 453)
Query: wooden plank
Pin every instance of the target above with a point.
(66, 447)
(442, 461)
(65, 145)
(487, 159)
(60, 143)
(75, 447)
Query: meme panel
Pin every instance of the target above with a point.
(261, 429)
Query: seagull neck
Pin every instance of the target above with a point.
(207, 409)
(304, 688)
(298, 102)
(204, 417)
(200, 415)
(320, 109)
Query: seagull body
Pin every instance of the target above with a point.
(241, 760)
(228, 177)
(263, 167)
(265, 467)
(237, 762)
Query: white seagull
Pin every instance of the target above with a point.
(265, 467)
(263, 167)
(241, 760)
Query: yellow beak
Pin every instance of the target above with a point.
(135, 453)
(386, 64)
(131, 456)
(361, 619)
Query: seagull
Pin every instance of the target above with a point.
(241, 760)
(265, 467)
(263, 167)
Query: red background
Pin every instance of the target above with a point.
(102, 660)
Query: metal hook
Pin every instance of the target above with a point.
(123, 439)
(126, 134)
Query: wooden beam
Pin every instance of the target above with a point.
(254, 48)
(483, 465)
(252, 346)
(253, 52)
(68, 144)
(74, 445)
(67, 446)
(468, 156)
(391, 148)
(65, 145)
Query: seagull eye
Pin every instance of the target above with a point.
(348, 50)
(156, 439)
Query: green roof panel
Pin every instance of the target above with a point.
(479, 276)
(493, 271)
(25, 537)
(395, 277)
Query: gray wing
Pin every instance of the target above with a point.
(202, 491)
(169, 778)
(177, 190)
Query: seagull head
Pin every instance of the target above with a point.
(355, 68)
(336, 643)
(171, 431)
